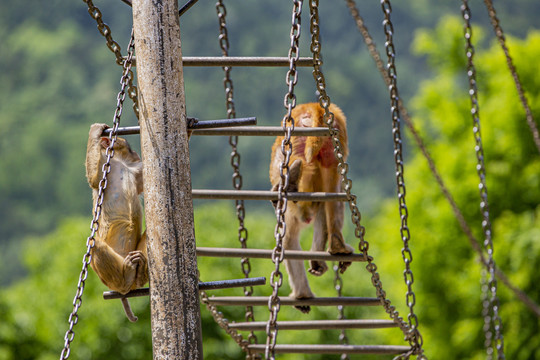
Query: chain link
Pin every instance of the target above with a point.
(338, 286)
(414, 336)
(106, 32)
(235, 163)
(356, 217)
(490, 302)
(502, 40)
(224, 323)
(281, 206)
(90, 242)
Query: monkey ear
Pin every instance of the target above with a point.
(105, 142)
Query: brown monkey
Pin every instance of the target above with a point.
(313, 168)
(119, 256)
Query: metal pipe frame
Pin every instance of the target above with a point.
(261, 131)
(315, 325)
(267, 254)
(331, 349)
(221, 61)
(210, 285)
(266, 195)
(193, 125)
(317, 301)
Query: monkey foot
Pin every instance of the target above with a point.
(317, 268)
(305, 309)
(342, 249)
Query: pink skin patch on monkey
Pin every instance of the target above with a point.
(326, 155)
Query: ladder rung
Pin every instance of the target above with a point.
(266, 195)
(261, 131)
(317, 301)
(200, 124)
(243, 61)
(331, 349)
(267, 254)
(315, 325)
(210, 285)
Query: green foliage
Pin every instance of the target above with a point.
(447, 273)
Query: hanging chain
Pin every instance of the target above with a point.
(343, 167)
(224, 323)
(90, 242)
(235, 162)
(502, 40)
(281, 206)
(415, 338)
(106, 32)
(490, 302)
(338, 286)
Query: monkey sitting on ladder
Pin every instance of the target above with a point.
(313, 169)
(119, 255)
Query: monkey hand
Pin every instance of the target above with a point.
(134, 263)
(96, 130)
(317, 267)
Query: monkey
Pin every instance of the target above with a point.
(119, 256)
(314, 168)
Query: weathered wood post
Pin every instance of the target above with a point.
(174, 297)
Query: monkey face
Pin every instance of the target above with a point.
(122, 149)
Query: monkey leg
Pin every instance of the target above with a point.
(335, 211)
(141, 277)
(320, 236)
(114, 271)
(295, 268)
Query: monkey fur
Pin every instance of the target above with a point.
(313, 168)
(119, 256)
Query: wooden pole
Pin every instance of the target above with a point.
(174, 297)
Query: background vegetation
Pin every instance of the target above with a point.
(57, 77)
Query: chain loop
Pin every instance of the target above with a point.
(235, 163)
(356, 216)
(490, 302)
(281, 206)
(510, 63)
(94, 226)
(414, 337)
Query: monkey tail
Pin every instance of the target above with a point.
(127, 309)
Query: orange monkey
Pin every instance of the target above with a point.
(313, 169)
(119, 256)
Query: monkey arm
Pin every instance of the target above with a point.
(94, 160)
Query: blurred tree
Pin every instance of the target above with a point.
(447, 273)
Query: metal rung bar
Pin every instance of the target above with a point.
(317, 301)
(193, 125)
(244, 61)
(222, 61)
(210, 285)
(262, 131)
(267, 254)
(315, 325)
(331, 349)
(266, 195)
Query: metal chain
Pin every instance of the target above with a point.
(502, 40)
(338, 286)
(343, 167)
(224, 323)
(475, 244)
(235, 163)
(90, 242)
(490, 302)
(415, 337)
(281, 206)
(106, 32)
